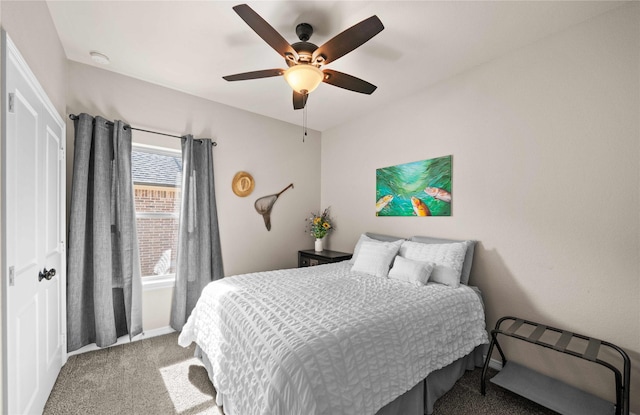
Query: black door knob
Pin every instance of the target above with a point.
(47, 275)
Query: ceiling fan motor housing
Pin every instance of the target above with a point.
(304, 31)
(304, 48)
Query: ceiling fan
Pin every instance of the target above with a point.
(305, 59)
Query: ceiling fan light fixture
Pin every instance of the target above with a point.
(303, 78)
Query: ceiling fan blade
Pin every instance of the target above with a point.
(266, 31)
(348, 40)
(299, 100)
(266, 73)
(346, 81)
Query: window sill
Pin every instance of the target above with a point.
(158, 282)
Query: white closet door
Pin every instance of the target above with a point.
(34, 238)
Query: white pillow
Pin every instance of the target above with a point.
(447, 257)
(371, 237)
(468, 257)
(375, 257)
(414, 272)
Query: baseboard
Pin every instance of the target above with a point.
(124, 340)
(495, 364)
(155, 332)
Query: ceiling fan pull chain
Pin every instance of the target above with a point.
(304, 122)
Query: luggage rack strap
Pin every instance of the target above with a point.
(514, 327)
(563, 341)
(592, 349)
(537, 333)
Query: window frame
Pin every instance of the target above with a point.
(156, 282)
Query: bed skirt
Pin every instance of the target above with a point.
(420, 399)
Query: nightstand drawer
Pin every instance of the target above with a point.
(304, 262)
(309, 258)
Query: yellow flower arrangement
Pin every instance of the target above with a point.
(319, 224)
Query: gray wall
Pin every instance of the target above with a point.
(545, 145)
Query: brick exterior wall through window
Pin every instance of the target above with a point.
(157, 221)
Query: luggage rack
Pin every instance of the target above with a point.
(550, 392)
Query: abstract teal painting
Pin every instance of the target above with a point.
(420, 188)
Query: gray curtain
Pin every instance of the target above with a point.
(199, 258)
(103, 267)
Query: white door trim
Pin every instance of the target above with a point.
(11, 53)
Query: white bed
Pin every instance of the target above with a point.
(328, 340)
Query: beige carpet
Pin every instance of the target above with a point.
(156, 376)
(151, 376)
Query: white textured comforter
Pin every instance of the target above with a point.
(324, 340)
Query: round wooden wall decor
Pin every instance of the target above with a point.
(242, 184)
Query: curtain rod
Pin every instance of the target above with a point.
(75, 117)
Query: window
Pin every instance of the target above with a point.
(156, 184)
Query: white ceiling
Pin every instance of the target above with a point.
(190, 45)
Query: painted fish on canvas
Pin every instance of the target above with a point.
(437, 193)
(419, 207)
(383, 201)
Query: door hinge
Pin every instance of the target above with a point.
(61, 156)
(11, 276)
(12, 97)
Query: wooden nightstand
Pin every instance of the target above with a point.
(309, 257)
